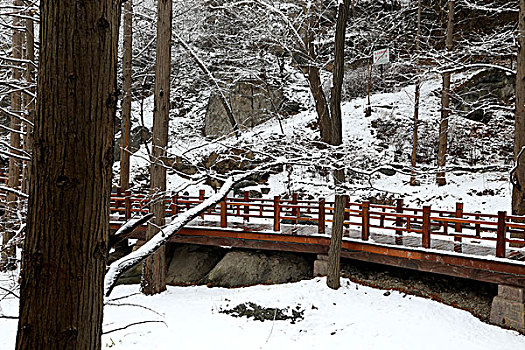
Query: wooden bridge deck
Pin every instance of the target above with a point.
(457, 253)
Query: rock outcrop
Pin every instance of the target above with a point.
(241, 268)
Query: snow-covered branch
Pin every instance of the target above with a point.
(120, 266)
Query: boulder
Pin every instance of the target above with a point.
(489, 87)
(139, 135)
(241, 268)
(132, 276)
(252, 103)
(190, 263)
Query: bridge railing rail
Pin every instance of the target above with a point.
(398, 220)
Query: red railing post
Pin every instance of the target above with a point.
(382, 218)
(399, 210)
(174, 205)
(224, 214)
(459, 214)
(478, 227)
(201, 199)
(457, 227)
(276, 213)
(365, 228)
(500, 240)
(347, 213)
(425, 240)
(118, 203)
(294, 203)
(321, 221)
(247, 207)
(127, 204)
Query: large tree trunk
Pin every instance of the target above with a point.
(518, 190)
(413, 158)
(127, 50)
(445, 103)
(65, 250)
(336, 139)
(154, 270)
(8, 255)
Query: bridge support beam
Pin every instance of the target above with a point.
(508, 308)
(321, 265)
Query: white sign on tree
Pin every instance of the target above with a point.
(382, 56)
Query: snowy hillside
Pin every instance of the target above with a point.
(383, 138)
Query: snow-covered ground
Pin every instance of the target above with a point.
(354, 316)
(367, 144)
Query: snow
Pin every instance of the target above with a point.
(354, 316)
(364, 149)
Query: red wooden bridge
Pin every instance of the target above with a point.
(484, 247)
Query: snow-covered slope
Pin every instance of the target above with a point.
(353, 317)
(383, 138)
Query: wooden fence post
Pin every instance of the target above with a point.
(247, 207)
(276, 213)
(500, 240)
(201, 199)
(224, 214)
(425, 240)
(478, 228)
(321, 221)
(118, 204)
(174, 205)
(294, 203)
(127, 204)
(399, 210)
(347, 214)
(458, 228)
(365, 228)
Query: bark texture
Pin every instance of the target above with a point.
(336, 139)
(125, 128)
(8, 255)
(65, 251)
(518, 190)
(154, 270)
(445, 103)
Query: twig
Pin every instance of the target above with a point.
(9, 292)
(273, 324)
(123, 297)
(132, 324)
(9, 317)
(135, 305)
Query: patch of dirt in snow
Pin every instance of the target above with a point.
(260, 313)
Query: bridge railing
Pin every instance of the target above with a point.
(397, 220)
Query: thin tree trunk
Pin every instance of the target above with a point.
(518, 190)
(8, 255)
(29, 101)
(314, 79)
(321, 103)
(127, 49)
(154, 270)
(65, 250)
(334, 253)
(413, 158)
(445, 103)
